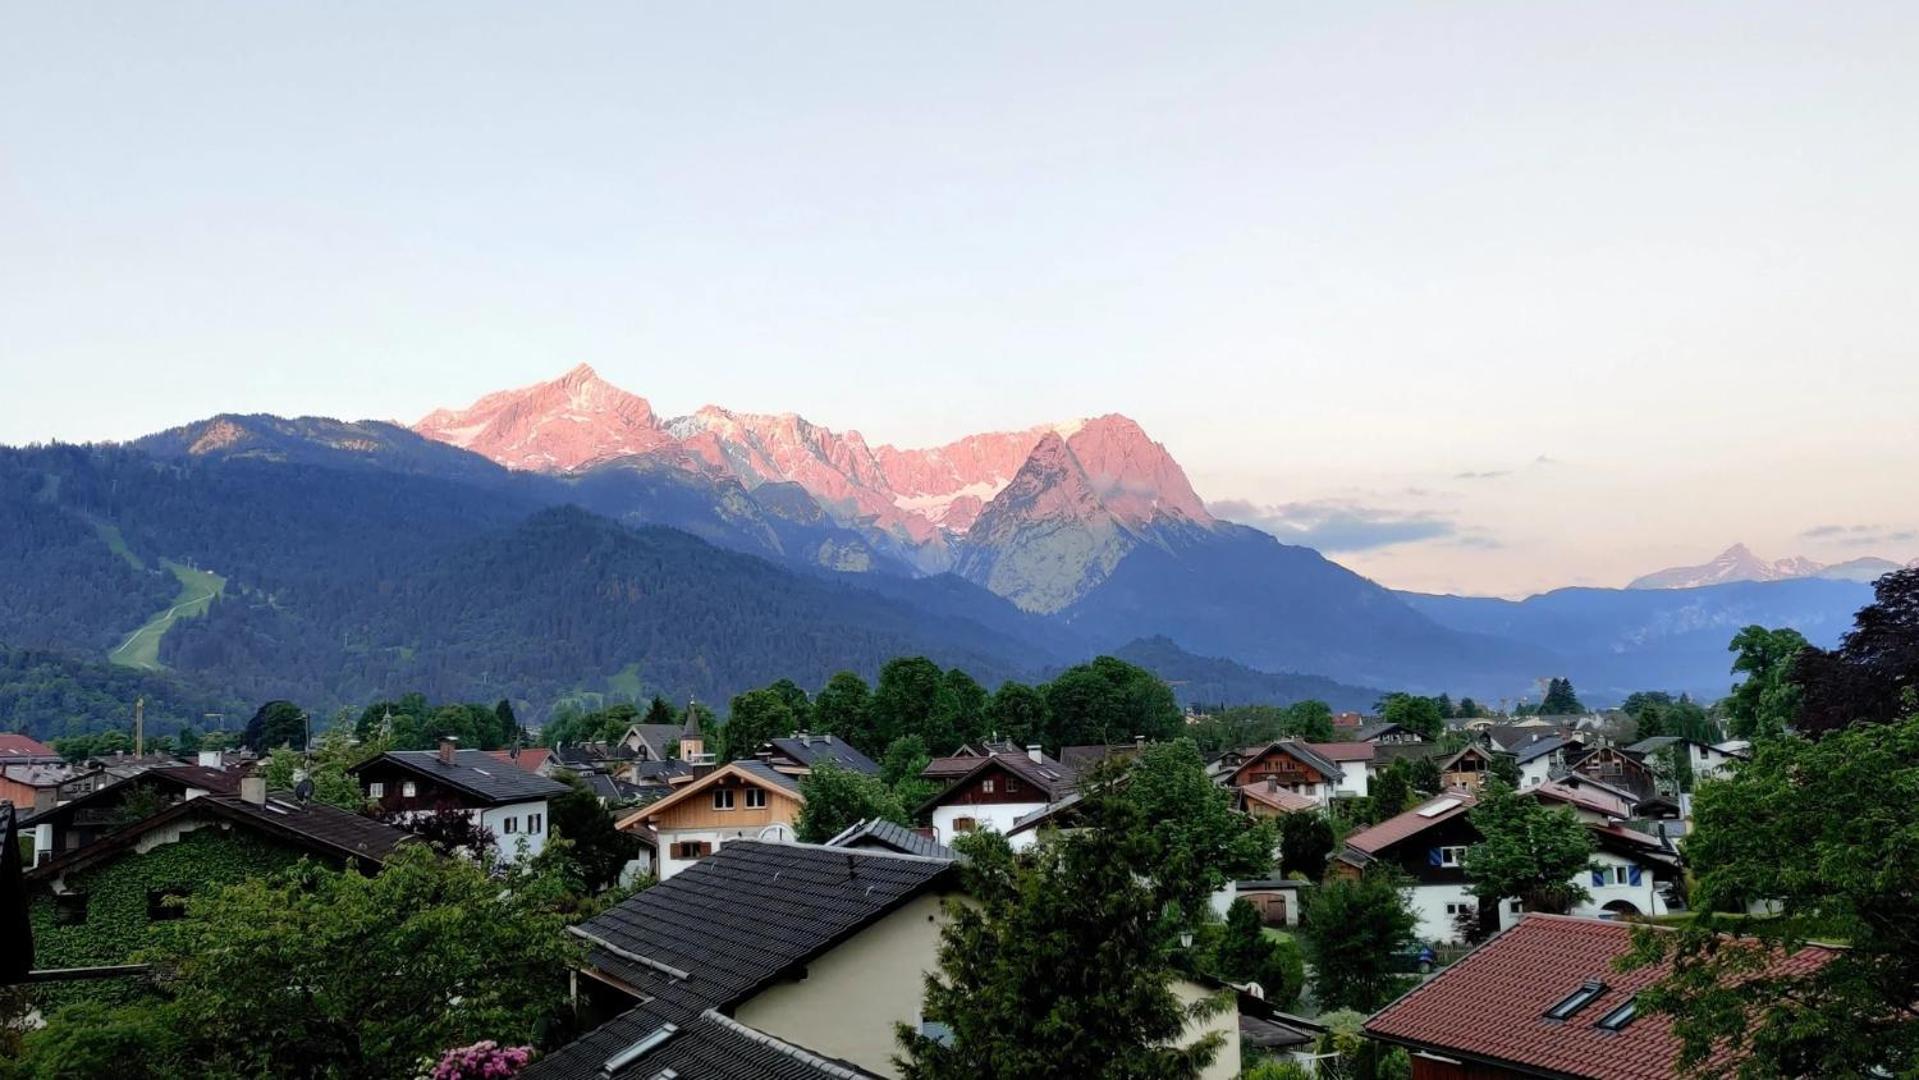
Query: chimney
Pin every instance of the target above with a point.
(210, 759)
(253, 789)
(1033, 753)
(448, 744)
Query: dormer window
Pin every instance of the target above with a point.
(1621, 1015)
(1577, 1000)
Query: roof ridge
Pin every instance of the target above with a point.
(784, 1048)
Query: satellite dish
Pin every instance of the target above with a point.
(777, 833)
(303, 791)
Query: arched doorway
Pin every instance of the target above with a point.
(1623, 909)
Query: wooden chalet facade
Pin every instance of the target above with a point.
(742, 800)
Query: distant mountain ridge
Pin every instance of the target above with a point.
(1738, 563)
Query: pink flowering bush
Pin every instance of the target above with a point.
(485, 1060)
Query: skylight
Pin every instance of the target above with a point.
(1438, 807)
(1619, 1017)
(648, 1043)
(1576, 1000)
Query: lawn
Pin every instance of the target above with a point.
(141, 649)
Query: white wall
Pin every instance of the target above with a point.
(1536, 772)
(1356, 779)
(670, 864)
(1428, 902)
(522, 842)
(998, 817)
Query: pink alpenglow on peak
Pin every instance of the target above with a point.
(920, 496)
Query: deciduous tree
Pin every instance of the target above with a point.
(1353, 927)
(838, 798)
(1528, 850)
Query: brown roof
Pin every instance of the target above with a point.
(1280, 799)
(1049, 777)
(13, 745)
(1599, 802)
(1442, 807)
(1491, 1006)
(1345, 751)
(530, 759)
(220, 781)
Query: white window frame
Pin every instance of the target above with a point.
(1453, 855)
(510, 825)
(408, 789)
(756, 798)
(534, 823)
(986, 786)
(723, 798)
(376, 790)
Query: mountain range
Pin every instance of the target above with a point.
(563, 542)
(1738, 563)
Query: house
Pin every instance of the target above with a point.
(17, 749)
(1296, 766)
(1540, 758)
(1543, 999)
(879, 834)
(772, 960)
(1510, 737)
(742, 800)
(652, 742)
(1612, 766)
(1708, 762)
(1630, 871)
(502, 799)
(34, 787)
(1001, 788)
(1388, 733)
(537, 760)
(799, 754)
(1355, 760)
(1269, 800)
(961, 761)
(92, 906)
(1078, 759)
(1468, 768)
(80, 821)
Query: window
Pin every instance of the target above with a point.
(1577, 1000)
(1515, 907)
(167, 903)
(986, 786)
(70, 909)
(1454, 855)
(511, 825)
(1012, 785)
(1462, 909)
(534, 822)
(965, 824)
(723, 798)
(756, 798)
(692, 849)
(1621, 1015)
(376, 789)
(408, 790)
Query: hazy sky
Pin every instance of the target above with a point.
(1480, 297)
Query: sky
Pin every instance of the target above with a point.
(1484, 298)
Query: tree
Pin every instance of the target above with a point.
(1353, 926)
(598, 849)
(903, 702)
(1425, 775)
(1305, 843)
(659, 713)
(1414, 713)
(333, 754)
(1017, 713)
(1868, 677)
(1392, 790)
(842, 709)
(959, 710)
(1825, 831)
(756, 717)
(900, 769)
(838, 798)
(1243, 953)
(1767, 701)
(1528, 850)
(507, 722)
(1194, 841)
(89, 1039)
(1109, 701)
(1469, 709)
(796, 701)
(277, 723)
(1560, 700)
(1062, 961)
(1505, 768)
(352, 976)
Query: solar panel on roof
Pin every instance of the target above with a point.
(1438, 808)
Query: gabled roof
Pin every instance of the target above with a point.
(325, 830)
(1597, 801)
(1490, 1007)
(758, 773)
(1453, 759)
(1440, 808)
(812, 750)
(1286, 802)
(961, 761)
(713, 935)
(882, 834)
(42, 774)
(1345, 751)
(14, 746)
(1510, 737)
(1538, 748)
(657, 736)
(1048, 777)
(1081, 758)
(1303, 751)
(1656, 742)
(1374, 731)
(531, 758)
(474, 773)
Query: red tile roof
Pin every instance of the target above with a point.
(1345, 751)
(1412, 822)
(20, 746)
(530, 759)
(1492, 1004)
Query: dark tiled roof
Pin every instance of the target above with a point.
(1442, 807)
(1492, 1005)
(723, 928)
(659, 772)
(476, 773)
(883, 834)
(1374, 731)
(1538, 747)
(716, 1045)
(1272, 1034)
(962, 761)
(763, 771)
(1047, 776)
(1657, 742)
(221, 781)
(1081, 758)
(660, 737)
(1512, 736)
(811, 750)
(606, 787)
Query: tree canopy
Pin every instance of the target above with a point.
(838, 798)
(1766, 702)
(1352, 928)
(1527, 849)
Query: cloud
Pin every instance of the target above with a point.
(1489, 474)
(1331, 525)
(1859, 535)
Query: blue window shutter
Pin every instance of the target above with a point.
(1599, 877)
(1632, 874)
(1432, 856)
